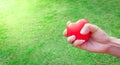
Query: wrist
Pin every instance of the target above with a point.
(114, 46)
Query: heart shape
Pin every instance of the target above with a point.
(75, 28)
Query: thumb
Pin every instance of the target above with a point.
(89, 28)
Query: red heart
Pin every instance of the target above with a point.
(75, 28)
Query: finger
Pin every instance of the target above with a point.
(78, 43)
(65, 32)
(82, 20)
(68, 23)
(71, 39)
(89, 28)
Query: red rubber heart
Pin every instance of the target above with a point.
(75, 28)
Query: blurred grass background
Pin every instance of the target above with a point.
(31, 31)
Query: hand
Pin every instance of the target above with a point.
(98, 41)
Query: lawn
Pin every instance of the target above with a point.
(31, 31)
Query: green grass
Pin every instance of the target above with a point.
(31, 31)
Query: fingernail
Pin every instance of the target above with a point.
(68, 23)
(71, 38)
(82, 31)
(80, 41)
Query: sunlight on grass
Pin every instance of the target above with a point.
(16, 16)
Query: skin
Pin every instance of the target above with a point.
(98, 42)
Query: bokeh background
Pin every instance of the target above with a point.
(31, 31)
